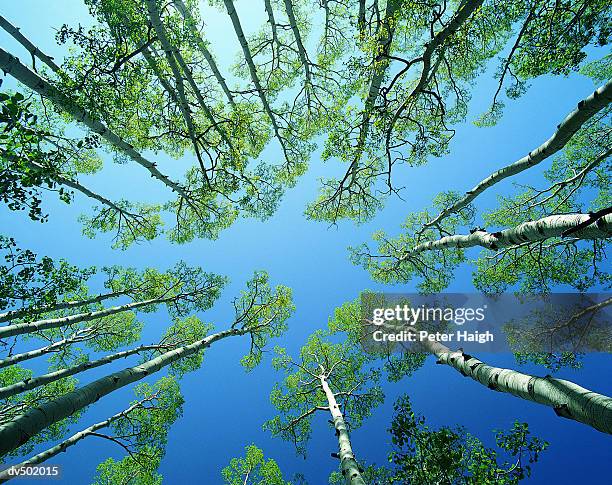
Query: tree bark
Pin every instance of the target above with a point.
(384, 44)
(361, 17)
(32, 354)
(29, 384)
(587, 108)
(180, 96)
(348, 464)
(67, 443)
(180, 6)
(31, 48)
(231, 10)
(11, 65)
(533, 231)
(21, 328)
(298, 40)
(33, 421)
(13, 314)
(568, 400)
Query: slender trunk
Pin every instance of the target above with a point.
(21, 328)
(231, 10)
(32, 354)
(67, 443)
(348, 464)
(11, 65)
(150, 58)
(13, 314)
(31, 48)
(29, 384)
(298, 40)
(361, 17)
(587, 108)
(533, 231)
(180, 96)
(201, 101)
(466, 9)
(273, 28)
(184, 11)
(568, 400)
(33, 421)
(173, 56)
(383, 47)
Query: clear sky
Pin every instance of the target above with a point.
(225, 407)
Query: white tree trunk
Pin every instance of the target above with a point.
(33, 421)
(348, 464)
(568, 400)
(180, 6)
(231, 11)
(533, 231)
(28, 384)
(14, 314)
(43, 456)
(12, 66)
(24, 41)
(587, 108)
(21, 328)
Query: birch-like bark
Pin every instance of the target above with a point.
(568, 400)
(21, 328)
(533, 231)
(587, 108)
(12, 66)
(173, 56)
(34, 382)
(43, 456)
(31, 48)
(54, 347)
(246, 51)
(14, 314)
(348, 464)
(184, 11)
(33, 421)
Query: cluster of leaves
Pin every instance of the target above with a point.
(423, 456)
(33, 159)
(31, 282)
(253, 469)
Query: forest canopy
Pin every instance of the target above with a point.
(356, 95)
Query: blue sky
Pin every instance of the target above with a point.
(225, 407)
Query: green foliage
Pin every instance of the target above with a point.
(349, 320)
(424, 456)
(144, 432)
(185, 332)
(32, 282)
(188, 289)
(262, 312)
(139, 468)
(32, 158)
(253, 469)
(578, 180)
(14, 406)
(301, 394)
